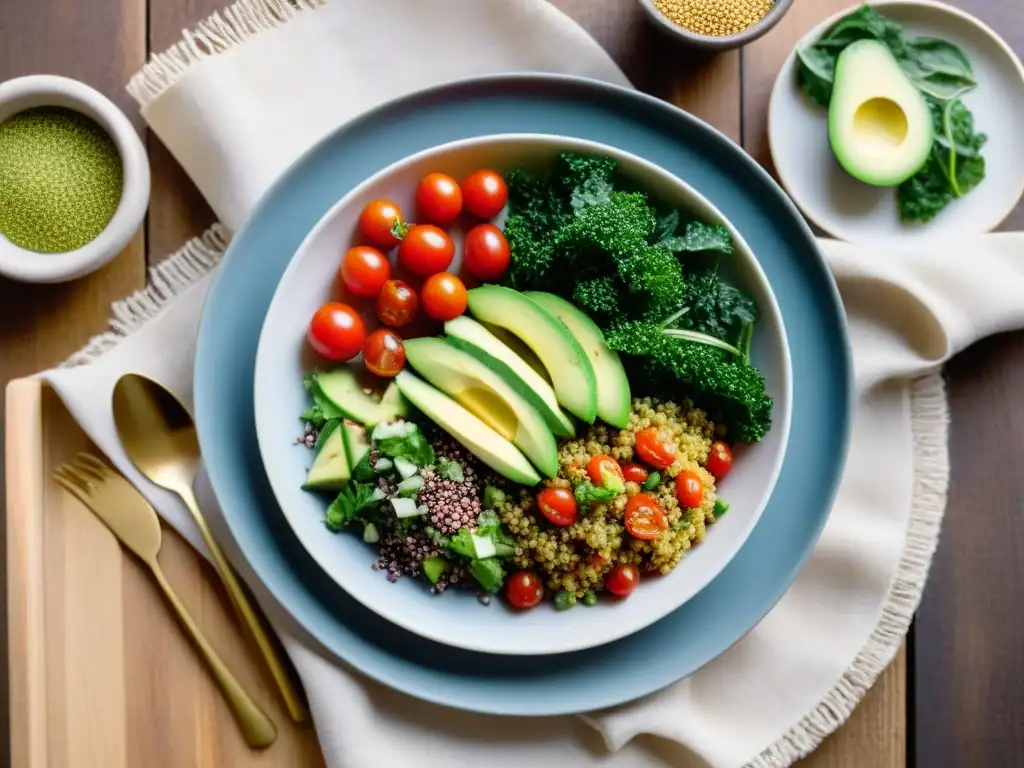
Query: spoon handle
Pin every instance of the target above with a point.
(257, 728)
(292, 699)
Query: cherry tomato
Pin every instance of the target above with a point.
(439, 198)
(719, 460)
(654, 449)
(645, 519)
(377, 221)
(524, 589)
(558, 505)
(384, 353)
(605, 472)
(622, 579)
(485, 193)
(337, 332)
(444, 296)
(364, 270)
(634, 472)
(486, 253)
(689, 488)
(396, 303)
(426, 250)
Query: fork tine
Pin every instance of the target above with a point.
(80, 478)
(62, 474)
(87, 459)
(63, 480)
(87, 470)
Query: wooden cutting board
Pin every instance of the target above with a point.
(100, 674)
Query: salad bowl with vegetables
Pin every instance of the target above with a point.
(523, 394)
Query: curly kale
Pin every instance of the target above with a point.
(731, 391)
(580, 234)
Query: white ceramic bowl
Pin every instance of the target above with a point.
(455, 618)
(860, 213)
(51, 91)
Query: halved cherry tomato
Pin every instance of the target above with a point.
(633, 472)
(605, 472)
(444, 296)
(377, 222)
(719, 460)
(524, 589)
(622, 579)
(689, 488)
(396, 303)
(439, 198)
(426, 249)
(558, 505)
(485, 193)
(645, 519)
(384, 353)
(486, 253)
(654, 449)
(364, 270)
(337, 332)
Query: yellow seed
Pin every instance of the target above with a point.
(714, 18)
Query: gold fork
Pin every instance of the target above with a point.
(135, 524)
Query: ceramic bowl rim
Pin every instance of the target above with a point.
(782, 416)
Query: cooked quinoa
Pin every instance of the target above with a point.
(576, 558)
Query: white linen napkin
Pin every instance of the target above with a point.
(250, 90)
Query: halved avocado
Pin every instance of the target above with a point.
(613, 397)
(486, 395)
(879, 124)
(482, 441)
(345, 387)
(330, 470)
(567, 364)
(472, 337)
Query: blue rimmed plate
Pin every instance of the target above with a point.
(528, 685)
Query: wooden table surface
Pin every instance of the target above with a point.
(955, 695)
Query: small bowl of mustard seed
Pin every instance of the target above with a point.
(74, 179)
(715, 25)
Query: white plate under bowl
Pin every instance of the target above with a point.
(859, 213)
(456, 618)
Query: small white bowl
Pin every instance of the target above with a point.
(859, 213)
(456, 618)
(52, 91)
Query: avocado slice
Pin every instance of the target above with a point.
(482, 441)
(356, 444)
(613, 397)
(472, 337)
(330, 470)
(344, 387)
(486, 395)
(879, 124)
(567, 364)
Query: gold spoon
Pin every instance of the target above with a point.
(134, 522)
(159, 436)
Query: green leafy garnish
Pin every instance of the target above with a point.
(412, 446)
(493, 496)
(450, 469)
(587, 493)
(943, 73)
(350, 505)
(653, 481)
(322, 410)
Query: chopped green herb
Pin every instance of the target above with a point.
(492, 497)
(450, 469)
(587, 493)
(350, 505)
(653, 481)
